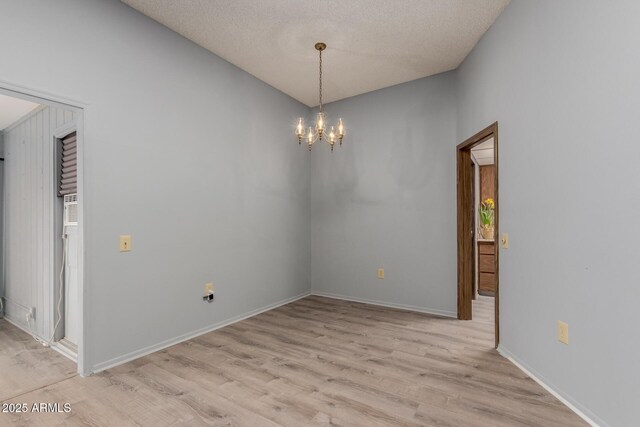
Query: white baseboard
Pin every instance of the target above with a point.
(14, 311)
(66, 352)
(570, 403)
(98, 367)
(437, 312)
(21, 325)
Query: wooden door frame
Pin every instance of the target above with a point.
(465, 223)
(475, 266)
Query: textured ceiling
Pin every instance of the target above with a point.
(483, 153)
(371, 43)
(11, 109)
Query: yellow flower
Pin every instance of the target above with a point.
(489, 202)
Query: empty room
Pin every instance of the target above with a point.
(332, 213)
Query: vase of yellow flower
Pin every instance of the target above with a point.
(487, 215)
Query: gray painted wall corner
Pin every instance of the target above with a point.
(2, 291)
(384, 199)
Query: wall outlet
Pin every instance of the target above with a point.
(381, 273)
(563, 332)
(209, 293)
(125, 243)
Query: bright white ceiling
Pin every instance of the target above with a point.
(483, 153)
(11, 109)
(371, 44)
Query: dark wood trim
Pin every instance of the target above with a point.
(465, 224)
(498, 238)
(465, 245)
(478, 138)
(473, 227)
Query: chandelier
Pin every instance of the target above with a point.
(319, 131)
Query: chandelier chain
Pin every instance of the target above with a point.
(320, 131)
(320, 86)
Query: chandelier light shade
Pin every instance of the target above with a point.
(319, 132)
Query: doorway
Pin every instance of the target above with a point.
(477, 237)
(35, 288)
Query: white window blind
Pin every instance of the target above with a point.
(69, 168)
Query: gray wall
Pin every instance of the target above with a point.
(30, 178)
(562, 79)
(387, 198)
(1, 221)
(188, 154)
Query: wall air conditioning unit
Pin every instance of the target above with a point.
(70, 209)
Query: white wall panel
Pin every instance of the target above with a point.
(30, 237)
(1, 219)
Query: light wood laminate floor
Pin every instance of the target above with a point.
(25, 365)
(317, 361)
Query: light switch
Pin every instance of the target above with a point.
(504, 242)
(125, 243)
(208, 288)
(381, 273)
(563, 332)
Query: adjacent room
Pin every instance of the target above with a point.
(483, 259)
(296, 212)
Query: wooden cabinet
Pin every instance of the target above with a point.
(486, 268)
(487, 182)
